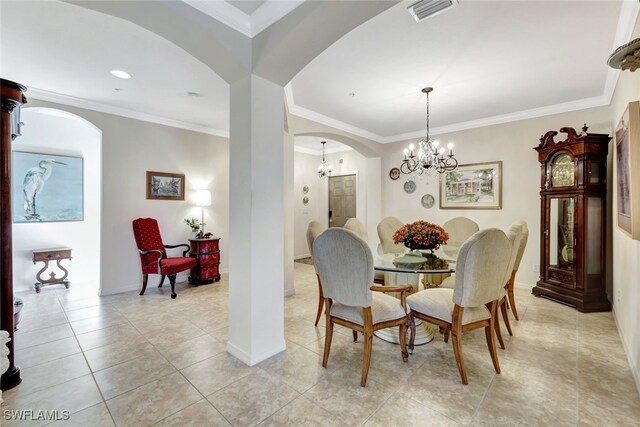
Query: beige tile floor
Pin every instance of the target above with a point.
(128, 360)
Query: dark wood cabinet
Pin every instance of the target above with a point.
(207, 253)
(573, 197)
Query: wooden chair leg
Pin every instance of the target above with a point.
(320, 301)
(412, 328)
(145, 279)
(328, 334)
(446, 335)
(456, 340)
(355, 336)
(505, 316)
(403, 341)
(491, 343)
(496, 326)
(172, 281)
(368, 345)
(512, 302)
(161, 281)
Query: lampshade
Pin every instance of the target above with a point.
(203, 198)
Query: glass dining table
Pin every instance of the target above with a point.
(418, 269)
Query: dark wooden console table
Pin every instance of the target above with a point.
(207, 253)
(46, 255)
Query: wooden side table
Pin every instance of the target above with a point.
(46, 255)
(207, 253)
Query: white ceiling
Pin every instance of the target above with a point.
(313, 145)
(483, 58)
(486, 60)
(69, 50)
(246, 6)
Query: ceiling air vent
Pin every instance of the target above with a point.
(425, 8)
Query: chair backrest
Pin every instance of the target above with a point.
(387, 227)
(147, 235)
(515, 234)
(523, 244)
(355, 225)
(459, 230)
(345, 265)
(313, 230)
(481, 268)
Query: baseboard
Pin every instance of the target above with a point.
(307, 255)
(521, 285)
(247, 359)
(632, 365)
(128, 287)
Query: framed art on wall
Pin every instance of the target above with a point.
(47, 188)
(165, 186)
(472, 186)
(627, 161)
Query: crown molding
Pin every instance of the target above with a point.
(263, 17)
(45, 95)
(225, 13)
(314, 152)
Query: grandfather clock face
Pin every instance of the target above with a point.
(563, 171)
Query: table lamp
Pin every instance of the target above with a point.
(202, 199)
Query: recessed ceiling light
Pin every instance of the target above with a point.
(121, 74)
(352, 94)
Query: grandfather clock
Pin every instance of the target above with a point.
(573, 196)
(12, 100)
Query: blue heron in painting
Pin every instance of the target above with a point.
(33, 184)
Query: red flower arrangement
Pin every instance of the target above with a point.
(421, 235)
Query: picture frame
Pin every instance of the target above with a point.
(472, 186)
(627, 161)
(165, 186)
(47, 187)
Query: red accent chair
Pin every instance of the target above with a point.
(153, 254)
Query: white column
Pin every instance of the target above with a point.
(373, 179)
(256, 210)
(289, 192)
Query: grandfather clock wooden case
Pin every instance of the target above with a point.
(573, 196)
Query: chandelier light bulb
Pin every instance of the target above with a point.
(436, 143)
(406, 152)
(411, 147)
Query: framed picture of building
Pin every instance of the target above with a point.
(472, 186)
(627, 163)
(47, 188)
(165, 186)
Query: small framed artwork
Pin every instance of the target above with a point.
(472, 186)
(165, 186)
(47, 188)
(627, 161)
(394, 173)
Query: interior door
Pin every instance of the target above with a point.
(342, 199)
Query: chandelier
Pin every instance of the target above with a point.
(324, 170)
(429, 155)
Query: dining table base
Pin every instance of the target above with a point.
(424, 334)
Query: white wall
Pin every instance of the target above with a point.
(57, 132)
(305, 168)
(513, 144)
(129, 149)
(626, 252)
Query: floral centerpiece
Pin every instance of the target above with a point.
(421, 235)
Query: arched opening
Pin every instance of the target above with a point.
(68, 210)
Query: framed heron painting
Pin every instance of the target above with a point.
(47, 188)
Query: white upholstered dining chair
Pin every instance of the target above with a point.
(356, 226)
(459, 230)
(345, 266)
(481, 271)
(515, 234)
(314, 230)
(386, 228)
